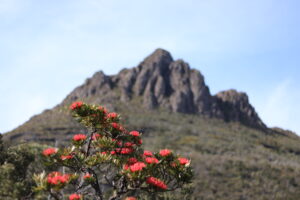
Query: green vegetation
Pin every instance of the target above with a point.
(17, 166)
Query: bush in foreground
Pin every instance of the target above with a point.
(109, 162)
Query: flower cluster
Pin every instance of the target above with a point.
(151, 160)
(75, 197)
(165, 152)
(76, 105)
(56, 178)
(49, 151)
(138, 166)
(134, 133)
(110, 146)
(156, 182)
(148, 153)
(112, 115)
(79, 137)
(183, 161)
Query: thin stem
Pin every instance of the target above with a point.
(89, 143)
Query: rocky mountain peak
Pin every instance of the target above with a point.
(159, 57)
(171, 84)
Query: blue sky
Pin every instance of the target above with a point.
(48, 48)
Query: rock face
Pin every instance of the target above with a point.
(170, 84)
(235, 106)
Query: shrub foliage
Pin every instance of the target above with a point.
(109, 162)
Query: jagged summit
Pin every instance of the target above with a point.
(171, 84)
(160, 56)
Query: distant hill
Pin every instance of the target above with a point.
(234, 154)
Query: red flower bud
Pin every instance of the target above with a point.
(115, 125)
(112, 115)
(151, 160)
(87, 176)
(55, 178)
(62, 157)
(75, 196)
(79, 137)
(156, 182)
(134, 133)
(183, 161)
(49, 151)
(76, 105)
(165, 152)
(140, 142)
(137, 166)
(148, 153)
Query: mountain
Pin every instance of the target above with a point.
(159, 82)
(234, 154)
(162, 82)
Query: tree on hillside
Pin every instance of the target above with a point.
(109, 163)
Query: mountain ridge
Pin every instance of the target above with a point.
(172, 84)
(158, 82)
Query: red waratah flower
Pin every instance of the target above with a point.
(156, 182)
(87, 176)
(134, 133)
(79, 137)
(62, 157)
(115, 125)
(140, 142)
(112, 115)
(75, 196)
(183, 161)
(76, 105)
(113, 152)
(137, 166)
(49, 151)
(165, 152)
(103, 109)
(96, 136)
(103, 153)
(151, 160)
(131, 198)
(56, 178)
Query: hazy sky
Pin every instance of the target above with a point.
(47, 48)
